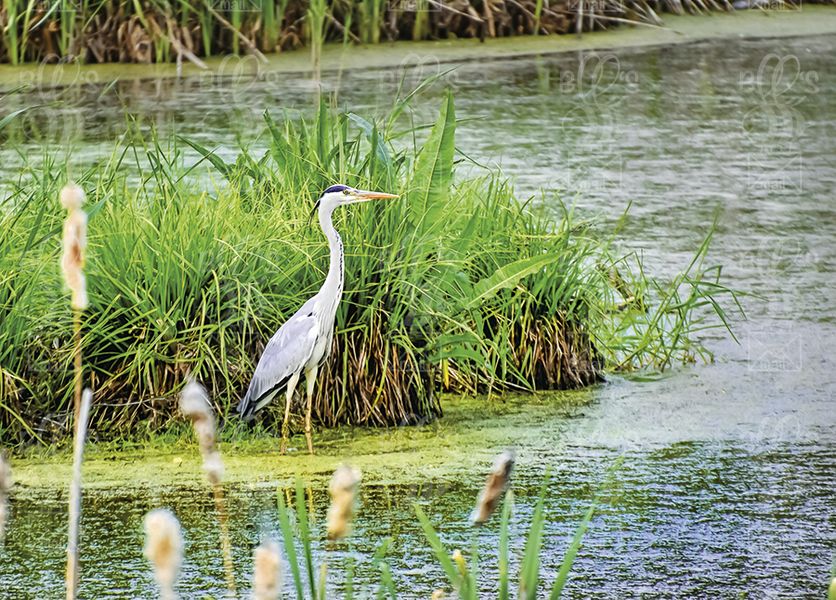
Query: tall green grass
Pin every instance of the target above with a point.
(457, 286)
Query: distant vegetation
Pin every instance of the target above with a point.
(191, 267)
(97, 31)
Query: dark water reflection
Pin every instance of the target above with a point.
(728, 484)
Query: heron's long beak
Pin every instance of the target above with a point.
(363, 196)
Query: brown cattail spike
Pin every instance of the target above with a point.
(266, 571)
(74, 245)
(194, 404)
(164, 549)
(343, 489)
(494, 487)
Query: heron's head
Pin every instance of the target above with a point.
(339, 195)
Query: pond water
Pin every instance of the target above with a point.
(727, 486)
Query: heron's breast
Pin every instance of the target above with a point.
(320, 350)
(326, 313)
(322, 343)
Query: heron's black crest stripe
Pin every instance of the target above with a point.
(313, 211)
(335, 188)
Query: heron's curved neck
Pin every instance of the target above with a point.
(334, 280)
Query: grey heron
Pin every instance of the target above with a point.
(303, 343)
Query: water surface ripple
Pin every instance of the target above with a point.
(727, 487)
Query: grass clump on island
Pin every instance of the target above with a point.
(457, 286)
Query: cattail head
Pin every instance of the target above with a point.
(494, 487)
(74, 245)
(72, 196)
(194, 404)
(164, 549)
(5, 486)
(343, 489)
(266, 571)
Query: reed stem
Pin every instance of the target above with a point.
(5, 486)
(75, 497)
(77, 367)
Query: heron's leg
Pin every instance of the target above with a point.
(291, 387)
(310, 380)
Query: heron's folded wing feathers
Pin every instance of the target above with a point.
(286, 353)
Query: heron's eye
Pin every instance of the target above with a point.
(346, 192)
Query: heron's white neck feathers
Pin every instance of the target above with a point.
(332, 288)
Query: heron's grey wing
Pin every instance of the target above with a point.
(286, 353)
